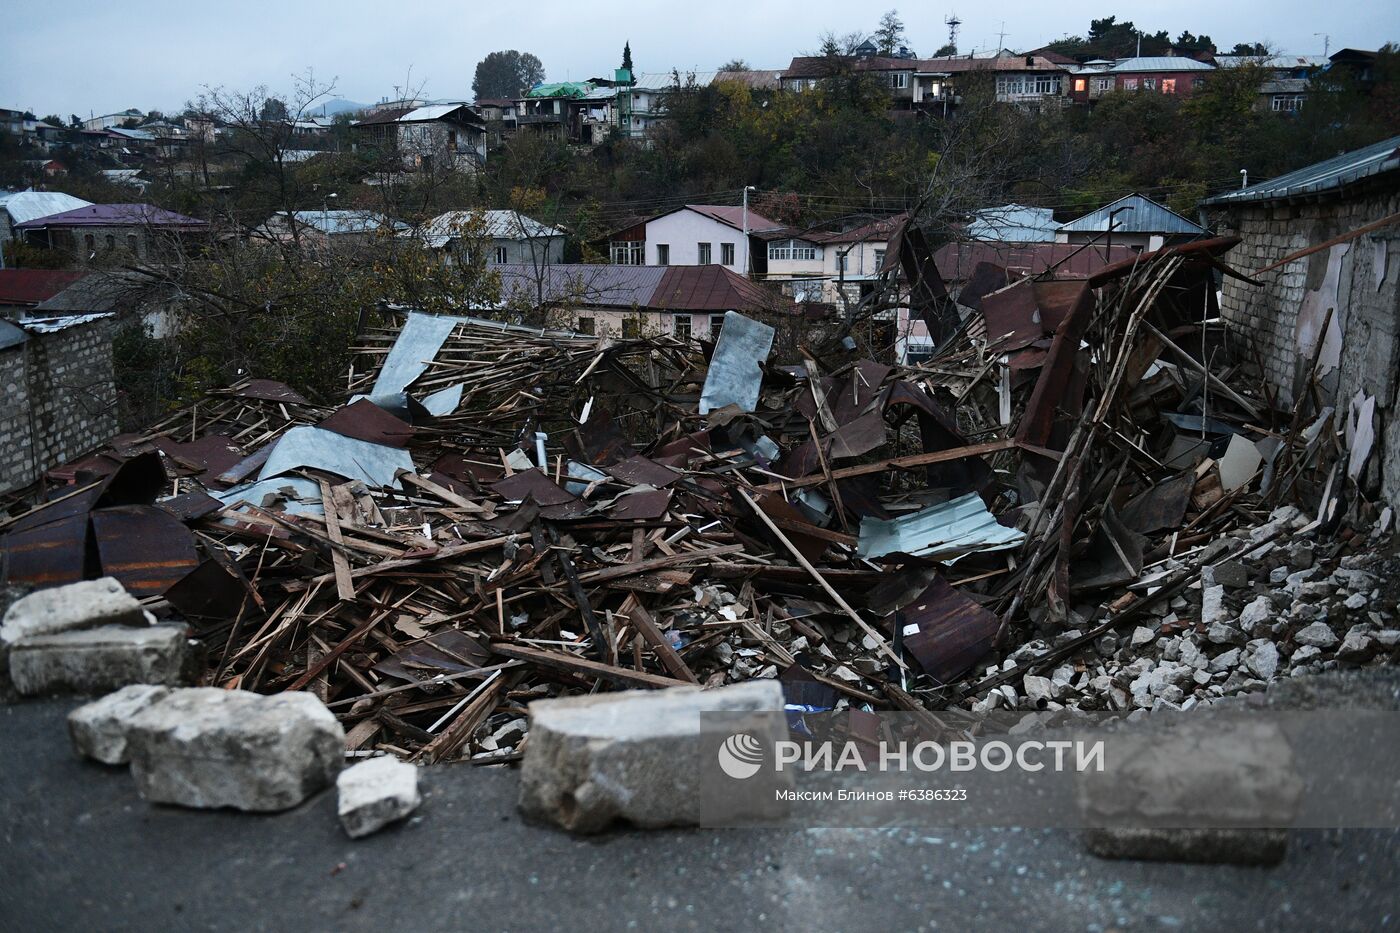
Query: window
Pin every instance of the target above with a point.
(879, 259)
(1149, 84)
(89, 243)
(1198, 83)
(726, 254)
(899, 79)
(683, 326)
(1080, 85)
(501, 255)
(1103, 84)
(841, 262)
(1130, 84)
(791, 251)
(631, 328)
(1010, 87)
(1047, 84)
(716, 324)
(111, 241)
(805, 289)
(1168, 85)
(703, 251)
(663, 254)
(1288, 103)
(131, 243)
(586, 325)
(626, 252)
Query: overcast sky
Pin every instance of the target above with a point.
(94, 57)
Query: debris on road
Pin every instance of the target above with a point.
(375, 793)
(99, 729)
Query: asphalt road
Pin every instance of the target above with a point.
(81, 851)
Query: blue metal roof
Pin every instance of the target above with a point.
(1159, 63)
(1146, 216)
(1328, 175)
(1013, 223)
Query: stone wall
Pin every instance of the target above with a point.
(59, 400)
(1359, 280)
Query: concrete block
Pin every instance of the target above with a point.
(99, 729)
(635, 756)
(98, 660)
(212, 748)
(63, 609)
(375, 793)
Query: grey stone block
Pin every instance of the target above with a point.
(66, 608)
(636, 756)
(211, 748)
(98, 660)
(1215, 846)
(99, 728)
(375, 793)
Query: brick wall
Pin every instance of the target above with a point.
(1367, 306)
(59, 400)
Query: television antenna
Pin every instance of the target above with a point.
(952, 22)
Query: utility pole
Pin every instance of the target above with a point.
(1001, 38)
(1326, 42)
(1112, 214)
(748, 254)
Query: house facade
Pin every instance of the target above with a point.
(1173, 75)
(328, 228)
(687, 302)
(508, 237)
(449, 136)
(829, 266)
(1138, 222)
(1339, 304)
(114, 232)
(707, 234)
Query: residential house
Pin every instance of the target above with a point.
(1013, 223)
(499, 114)
(508, 237)
(114, 231)
(630, 104)
(1287, 78)
(17, 207)
(19, 124)
(22, 289)
(1359, 63)
(806, 72)
(708, 234)
(1328, 311)
(829, 266)
(1028, 81)
(1160, 74)
(109, 120)
(1138, 222)
(450, 136)
(328, 228)
(628, 301)
(1090, 81)
(557, 111)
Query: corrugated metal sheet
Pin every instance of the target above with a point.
(105, 215)
(1146, 216)
(595, 285)
(1327, 175)
(333, 222)
(499, 225)
(1013, 223)
(318, 449)
(943, 532)
(418, 343)
(24, 206)
(736, 369)
(1159, 63)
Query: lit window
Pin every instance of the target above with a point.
(683, 326)
(703, 253)
(726, 254)
(1168, 85)
(1080, 85)
(663, 254)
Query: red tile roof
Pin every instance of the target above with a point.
(31, 286)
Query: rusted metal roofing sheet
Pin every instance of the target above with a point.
(945, 631)
(143, 546)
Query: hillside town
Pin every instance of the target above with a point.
(541, 461)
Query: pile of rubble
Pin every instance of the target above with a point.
(1081, 487)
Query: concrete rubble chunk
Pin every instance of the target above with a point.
(1213, 605)
(635, 756)
(1263, 661)
(1039, 690)
(64, 609)
(99, 729)
(375, 793)
(209, 748)
(1258, 613)
(98, 660)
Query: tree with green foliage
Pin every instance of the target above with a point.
(889, 36)
(506, 74)
(736, 64)
(627, 55)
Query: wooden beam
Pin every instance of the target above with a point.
(573, 664)
(897, 463)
